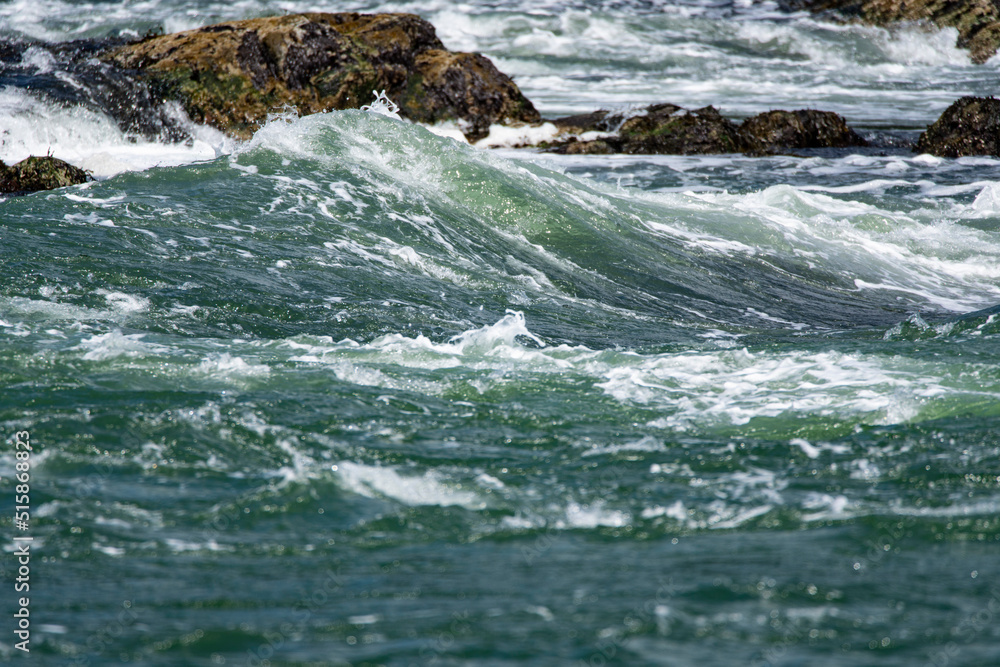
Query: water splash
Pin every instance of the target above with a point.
(382, 106)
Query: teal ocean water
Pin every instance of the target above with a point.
(353, 393)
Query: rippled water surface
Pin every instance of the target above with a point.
(354, 393)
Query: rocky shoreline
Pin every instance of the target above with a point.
(672, 130)
(977, 21)
(233, 75)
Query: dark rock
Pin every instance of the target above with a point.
(970, 126)
(805, 128)
(233, 74)
(670, 129)
(39, 173)
(977, 21)
(657, 129)
(73, 76)
(666, 128)
(464, 86)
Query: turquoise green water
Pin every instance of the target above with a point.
(356, 394)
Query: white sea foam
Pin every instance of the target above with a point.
(123, 303)
(18, 309)
(108, 550)
(690, 389)
(824, 507)
(917, 253)
(426, 488)
(647, 444)
(731, 517)
(115, 344)
(908, 46)
(504, 135)
(382, 106)
(493, 341)
(184, 546)
(988, 508)
(721, 387)
(733, 387)
(90, 140)
(362, 375)
(677, 512)
(592, 515)
(987, 202)
(38, 59)
(229, 367)
(448, 129)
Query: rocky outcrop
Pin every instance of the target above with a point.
(232, 75)
(70, 74)
(39, 173)
(670, 129)
(977, 21)
(657, 129)
(466, 87)
(774, 131)
(970, 126)
(666, 128)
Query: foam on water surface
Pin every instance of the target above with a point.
(511, 385)
(843, 64)
(90, 140)
(425, 489)
(681, 391)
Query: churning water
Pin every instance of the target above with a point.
(355, 393)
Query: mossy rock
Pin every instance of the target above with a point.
(970, 126)
(463, 86)
(656, 129)
(977, 21)
(805, 128)
(667, 128)
(39, 173)
(232, 75)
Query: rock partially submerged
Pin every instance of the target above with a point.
(656, 129)
(970, 126)
(774, 131)
(39, 173)
(232, 75)
(670, 129)
(977, 21)
(71, 75)
(667, 128)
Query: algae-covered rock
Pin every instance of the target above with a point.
(977, 21)
(39, 173)
(970, 126)
(666, 128)
(233, 74)
(656, 129)
(464, 86)
(805, 128)
(672, 130)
